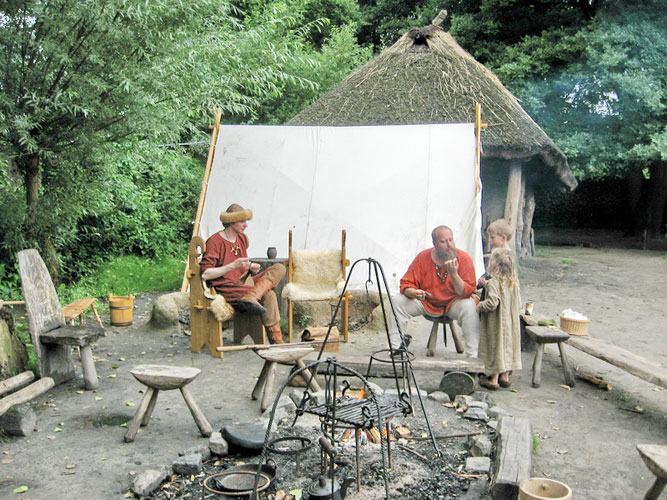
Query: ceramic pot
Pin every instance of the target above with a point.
(537, 488)
(271, 252)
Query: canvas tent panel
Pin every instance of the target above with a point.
(388, 186)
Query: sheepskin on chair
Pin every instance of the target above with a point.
(221, 309)
(316, 275)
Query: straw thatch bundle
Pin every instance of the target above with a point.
(426, 77)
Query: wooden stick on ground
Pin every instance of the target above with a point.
(13, 383)
(26, 394)
(245, 347)
(589, 377)
(447, 436)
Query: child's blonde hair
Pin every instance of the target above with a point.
(501, 266)
(500, 227)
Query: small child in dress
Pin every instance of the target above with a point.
(500, 341)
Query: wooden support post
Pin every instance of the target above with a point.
(537, 365)
(512, 199)
(204, 427)
(90, 379)
(528, 212)
(134, 424)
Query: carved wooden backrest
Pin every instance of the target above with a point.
(41, 302)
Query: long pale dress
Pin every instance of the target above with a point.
(500, 341)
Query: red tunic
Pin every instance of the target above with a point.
(220, 252)
(422, 275)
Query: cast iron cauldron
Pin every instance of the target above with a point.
(321, 490)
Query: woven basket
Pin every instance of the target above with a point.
(574, 326)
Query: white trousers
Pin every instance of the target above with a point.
(462, 311)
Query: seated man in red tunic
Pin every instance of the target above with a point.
(440, 279)
(226, 267)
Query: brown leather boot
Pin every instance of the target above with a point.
(275, 334)
(249, 303)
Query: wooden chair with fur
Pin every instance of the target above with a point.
(316, 275)
(209, 310)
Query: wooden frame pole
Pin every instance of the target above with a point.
(479, 125)
(204, 186)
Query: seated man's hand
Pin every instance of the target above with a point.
(452, 266)
(242, 263)
(415, 293)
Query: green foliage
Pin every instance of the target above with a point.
(127, 274)
(566, 262)
(536, 443)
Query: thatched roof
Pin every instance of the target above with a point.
(426, 77)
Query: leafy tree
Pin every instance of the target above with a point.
(607, 111)
(78, 74)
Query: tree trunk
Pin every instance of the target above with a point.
(657, 194)
(635, 182)
(512, 199)
(32, 177)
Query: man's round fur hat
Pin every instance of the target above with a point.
(235, 213)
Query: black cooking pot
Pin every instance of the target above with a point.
(322, 489)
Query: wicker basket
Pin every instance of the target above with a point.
(577, 327)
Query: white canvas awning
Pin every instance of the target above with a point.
(388, 186)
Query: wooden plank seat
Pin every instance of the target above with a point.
(433, 338)
(51, 337)
(655, 458)
(272, 357)
(542, 335)
(165, 378)
(78, 307)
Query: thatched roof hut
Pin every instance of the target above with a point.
(426, 77)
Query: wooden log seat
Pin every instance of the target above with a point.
(205, 327)
(542, 335)
(165, 378)
(433, 338)
(514, 457)
(655, 458)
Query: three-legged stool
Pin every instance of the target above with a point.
(549, 335)
(165, 378)
(433, 338)
(655, 458)
(273, 356)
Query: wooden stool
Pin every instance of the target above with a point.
(76, 309)
(549, 335)
(271, 357)
(433, 338)
(164, 378)
(655, 458)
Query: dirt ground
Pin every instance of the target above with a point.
(585, 437)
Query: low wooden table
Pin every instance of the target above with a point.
(165, 378)
(655, 458)
(77, 308)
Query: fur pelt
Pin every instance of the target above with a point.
(231, 217)
(317, 275)
(221, 309)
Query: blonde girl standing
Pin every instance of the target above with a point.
(500, 342)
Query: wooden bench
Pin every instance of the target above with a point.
(655, 458)
(77, 308)
(51, 337)
(632, 363)
(542, 335)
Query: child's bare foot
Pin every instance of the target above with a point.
(504, 380)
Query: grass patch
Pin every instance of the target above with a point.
(567, 262)
(127, 274)
(536, 443)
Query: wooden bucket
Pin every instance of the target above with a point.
(543, 489)
(120, 309)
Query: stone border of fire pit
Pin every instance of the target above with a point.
(505, 457)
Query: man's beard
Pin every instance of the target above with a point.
(445, 254)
